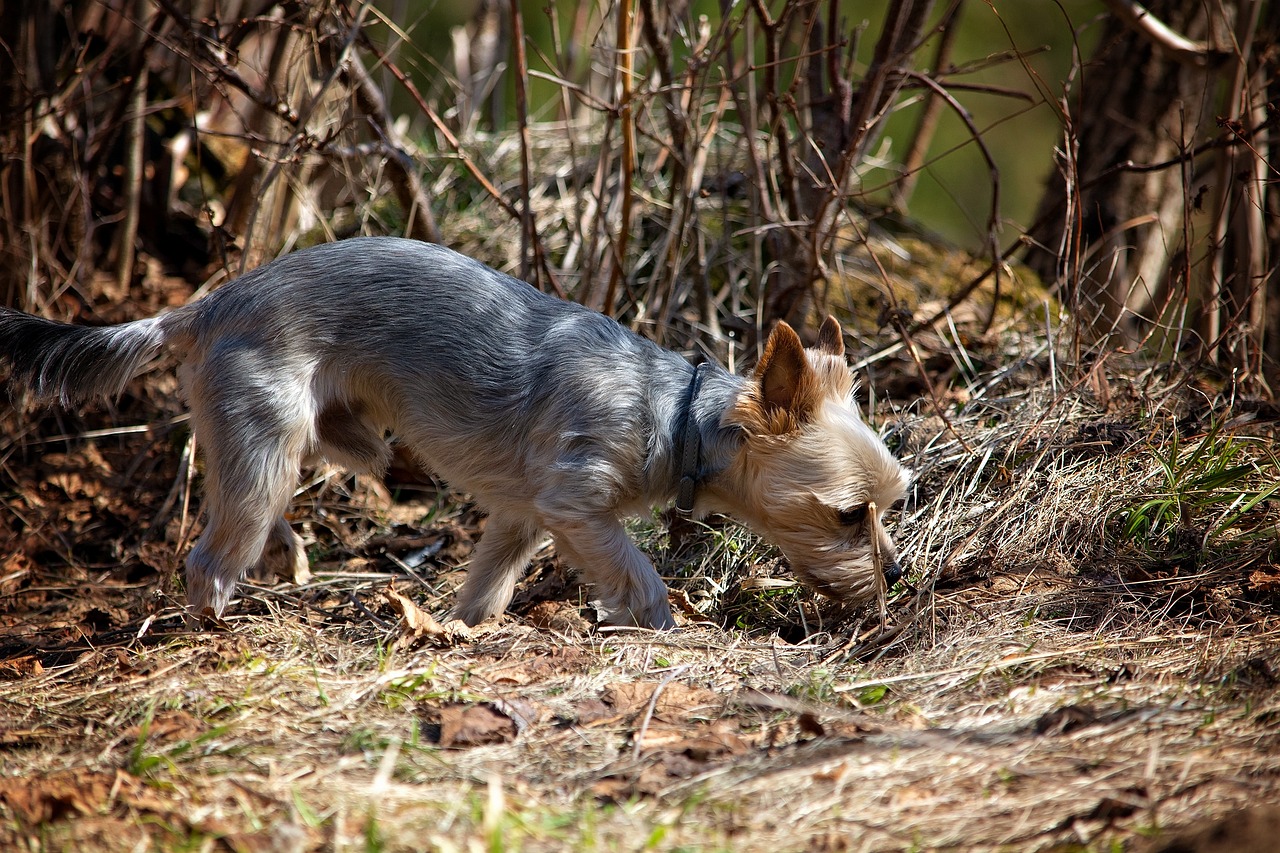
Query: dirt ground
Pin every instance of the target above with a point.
(1073, 665)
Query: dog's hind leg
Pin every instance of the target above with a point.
(255, 424)
(504, 551)
(629, 586)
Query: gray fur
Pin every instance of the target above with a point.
(555, 418)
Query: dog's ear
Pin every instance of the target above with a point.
(786, 388)
(831, 337)
(786, 380)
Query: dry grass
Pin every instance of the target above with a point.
(1046, 683)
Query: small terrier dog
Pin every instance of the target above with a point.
(555, 418)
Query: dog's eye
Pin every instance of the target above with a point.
(853, 516)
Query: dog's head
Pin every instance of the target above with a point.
(811, 476)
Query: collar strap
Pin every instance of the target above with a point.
(691, 447)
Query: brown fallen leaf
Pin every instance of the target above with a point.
(1265, 579)
(671, 753)
(700, 742)
(680, 599)
(676, 701)
(419, 625)
(167, 727)
(20, 667)
(474, 725)
(559, 616)
(39, 800)
(590, 712)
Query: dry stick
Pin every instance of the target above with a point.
(443, 130)
(1127, 166)
(1256, 222)
(676, 115)
(624, 65)
(788, 184)
(651, 707)
(243, 194)
(914, 159)
(1178, 47)
(456, 147)
(597, 210)
(408, 185)
(137, 129)
(746, 106)
(222, 69)
(660, 301)
(216, 69)
(993, 221)
(301, 134)
(1229, 139)
(895, 318)
(135, 105)
(904, 22)
(879, 87)
(1247, 226)
(522, 119)
(564, 86)
(690, 192)
(1225, 192)
(777, 122)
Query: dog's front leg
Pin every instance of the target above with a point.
(502, 555)
(632, 591)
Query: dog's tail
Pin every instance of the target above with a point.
(71, 364)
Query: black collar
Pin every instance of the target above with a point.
(690, 446)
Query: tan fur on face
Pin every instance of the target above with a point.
(792, 382)
(807, 456)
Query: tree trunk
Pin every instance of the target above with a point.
(1107, 234)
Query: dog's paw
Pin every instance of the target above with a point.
(471, 616)
(656, 616)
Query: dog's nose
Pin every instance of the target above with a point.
(892, 573)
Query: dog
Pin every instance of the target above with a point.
(555, 418)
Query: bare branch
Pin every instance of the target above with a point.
(1178, 47)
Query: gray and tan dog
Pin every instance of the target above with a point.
(557, 419)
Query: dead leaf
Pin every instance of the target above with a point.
(1066, 719)
(561, 660)
(700, 742)
(1265, 579)
(680, 599)
(672, 753)
(591, 711)
(419, 625)
(167, 727)
(475, 725)
(561, 617)
(79, 473)
(676, 701)
(810, 724)
(39, 800)
(20, 667)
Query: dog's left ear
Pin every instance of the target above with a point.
(787, 382)
(831, 337)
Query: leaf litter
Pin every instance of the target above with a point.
(1054, 675)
